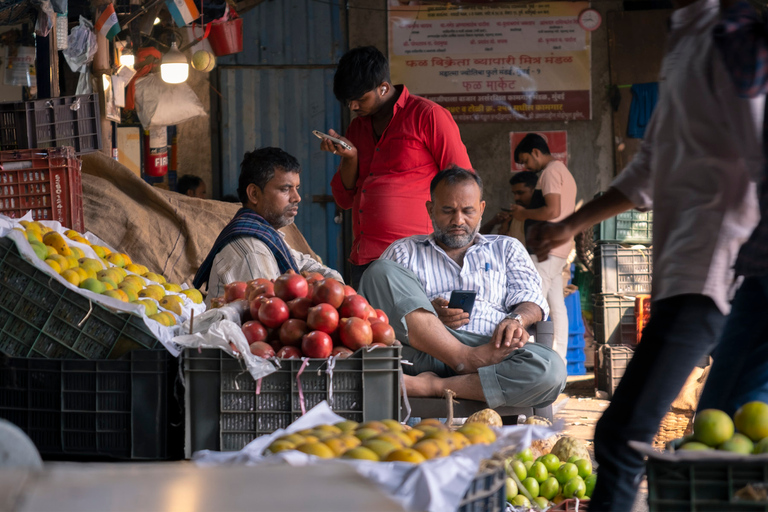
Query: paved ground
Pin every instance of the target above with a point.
(580, 409)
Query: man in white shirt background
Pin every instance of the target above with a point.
(559, 190)
(696, 169)
(488, 358)
(251, 245)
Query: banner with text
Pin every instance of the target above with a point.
(491, 62)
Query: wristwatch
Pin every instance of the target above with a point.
(517, 317)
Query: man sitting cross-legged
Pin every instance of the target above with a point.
(483, 356)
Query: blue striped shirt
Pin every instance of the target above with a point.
(497, 267)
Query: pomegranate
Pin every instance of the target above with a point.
(382, 316)
(383, 333)
(262, 349)
(317, 344)
(370, 312)
(234, 291)
(254, 332)
(348, 290)
(329, 291)
(354, 305)
(355, 333)
(377, 345)
(256, 304)
(300, 307)
(291, 286)
(273, 312)
(292, 331)
(289, 353)
(341, 352)
(323, 317)
(275, 344)
(314, 277)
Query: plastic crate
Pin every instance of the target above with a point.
(621, 270)
(40, 317)
(119, 409)
(611, 363)
(65, 121)
(642, 314)
(45, 181)
(615, 320)
(224, 413)
(631, 226)
(703, 485)
(486, 493)
(573, 308)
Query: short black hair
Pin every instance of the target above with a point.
(454, 175)
(360, 70)
(529, 143)
(259, 168)
(188, 182)
(527, 178)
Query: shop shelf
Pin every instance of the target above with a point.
(631, 226)
(615, 320)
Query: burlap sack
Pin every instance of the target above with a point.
(168, 232)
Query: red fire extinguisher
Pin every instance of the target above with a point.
(156, 152)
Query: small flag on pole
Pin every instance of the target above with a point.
(107, 24)
(184, 12)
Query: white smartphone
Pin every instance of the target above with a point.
(321, 135)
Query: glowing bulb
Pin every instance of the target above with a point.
(157, 21)
(174, 67)
(127, 59)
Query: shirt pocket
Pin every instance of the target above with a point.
(401, 155)
(491, 286)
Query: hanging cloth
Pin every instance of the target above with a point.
(644, 98)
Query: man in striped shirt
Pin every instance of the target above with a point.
(483, 356)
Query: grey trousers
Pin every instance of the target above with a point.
(532, 376)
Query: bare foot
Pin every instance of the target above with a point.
(425, 384)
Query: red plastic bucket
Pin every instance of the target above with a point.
(226, 37)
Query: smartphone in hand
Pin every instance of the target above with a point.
(338, 142)
(462, 299)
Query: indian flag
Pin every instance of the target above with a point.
(107, 24)
(184, 12)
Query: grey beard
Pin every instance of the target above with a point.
(455, 241)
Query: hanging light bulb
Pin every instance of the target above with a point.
(174, 67)
(127, 58)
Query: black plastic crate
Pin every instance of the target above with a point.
(612, 361)
(224, 413)
(110, 409)
(614, 317)
(40, 317)
(623, 270)
(703, 485)
(486, 493)
(632, 226)
(65, 121)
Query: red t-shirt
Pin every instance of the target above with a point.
(388, 201)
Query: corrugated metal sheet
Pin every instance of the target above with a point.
(280, 107)
(291, 33)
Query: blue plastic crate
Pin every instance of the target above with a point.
(576, 369)
(573, 306)
(576, 341)
(575, 355)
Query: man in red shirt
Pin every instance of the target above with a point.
(397, 143)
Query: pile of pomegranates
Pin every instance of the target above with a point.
(307, 316)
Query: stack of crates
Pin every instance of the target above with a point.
(623, 271)
(575, 357)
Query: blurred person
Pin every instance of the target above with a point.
(524, 192)
(399, 142)
(559, 191)
(696, 168)
(251, 245)
(485, 356)
(192, 186)
(739, 373)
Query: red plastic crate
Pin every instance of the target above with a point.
(642, 314)
(45, 181)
